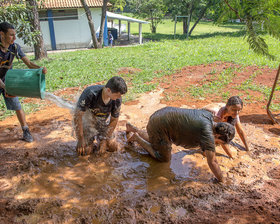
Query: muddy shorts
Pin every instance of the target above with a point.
(160, 141)
(94, 128)
(12, 103)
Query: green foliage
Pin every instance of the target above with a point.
(152, 10)
(259, 16)
(118, 4)
(19, 15)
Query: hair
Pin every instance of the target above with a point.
(117, 85)
(4, 26)
(234, 100)
(225, 130)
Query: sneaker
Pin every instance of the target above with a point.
(27, 135)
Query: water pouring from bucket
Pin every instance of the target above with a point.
(25, 82)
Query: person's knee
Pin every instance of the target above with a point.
(163, 157)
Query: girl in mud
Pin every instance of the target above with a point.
(184, 127)
(229, 113)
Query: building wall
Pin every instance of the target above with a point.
(69, 34)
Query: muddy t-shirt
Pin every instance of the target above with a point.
(185, 127)
(6, 59)
(91, 99)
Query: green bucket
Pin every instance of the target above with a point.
(25, 82)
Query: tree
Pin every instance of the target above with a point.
(40, 51)
(118, 4)
(21, 15)
(259, 16)
(97, 43)
(195, 9)
(153, 10)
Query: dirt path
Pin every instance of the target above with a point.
(45, 182)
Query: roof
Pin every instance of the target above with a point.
(58, 4)
(111, 15)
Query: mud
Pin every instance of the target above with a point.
(45, 181)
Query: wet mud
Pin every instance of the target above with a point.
(46, 182)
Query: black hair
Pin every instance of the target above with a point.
(117, 85)
(4, 26)
(225, 130)
(234, 100)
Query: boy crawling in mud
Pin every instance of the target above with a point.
(96, 116)
(184, 127)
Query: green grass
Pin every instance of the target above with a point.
(154, 59)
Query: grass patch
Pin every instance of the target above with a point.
(208, 44)
(215, 86)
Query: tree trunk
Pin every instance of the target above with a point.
(201, 15)
(104, 9)
(91, 25)
(40, 51)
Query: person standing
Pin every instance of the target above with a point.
(8, 51)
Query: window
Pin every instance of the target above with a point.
(64, 14)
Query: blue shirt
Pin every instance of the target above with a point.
(6, 59)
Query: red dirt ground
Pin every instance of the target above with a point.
(30, 191)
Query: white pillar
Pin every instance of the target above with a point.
(140, 33)
(120, 25)
(128, 31)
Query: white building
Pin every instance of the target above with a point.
(64, 24)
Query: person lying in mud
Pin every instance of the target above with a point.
(96, 116)
(229, 113)
(185, 127)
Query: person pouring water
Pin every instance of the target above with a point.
(8, 51)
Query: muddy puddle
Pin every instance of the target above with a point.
(46, 182)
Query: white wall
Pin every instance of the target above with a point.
(68, 33)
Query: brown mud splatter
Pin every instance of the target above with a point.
(45, 181)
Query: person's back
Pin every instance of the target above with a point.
(185, 127)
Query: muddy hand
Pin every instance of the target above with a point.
(102, 147)
(81, 148)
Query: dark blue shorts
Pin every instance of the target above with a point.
(12, 103)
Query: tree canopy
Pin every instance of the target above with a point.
(20, 15)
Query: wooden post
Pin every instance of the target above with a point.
(140, 33)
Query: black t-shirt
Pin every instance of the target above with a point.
(6, 59)
(91, 99)
(186, 127)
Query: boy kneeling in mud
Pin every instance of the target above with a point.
(184, 127)
(96, 116)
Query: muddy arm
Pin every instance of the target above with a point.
(32, 65)
(242, 135)
(109, 141)
(227, 150)
(78, 126)
(213, 165)
(112, 126)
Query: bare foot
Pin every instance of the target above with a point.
(130, 128)
(131, 137)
